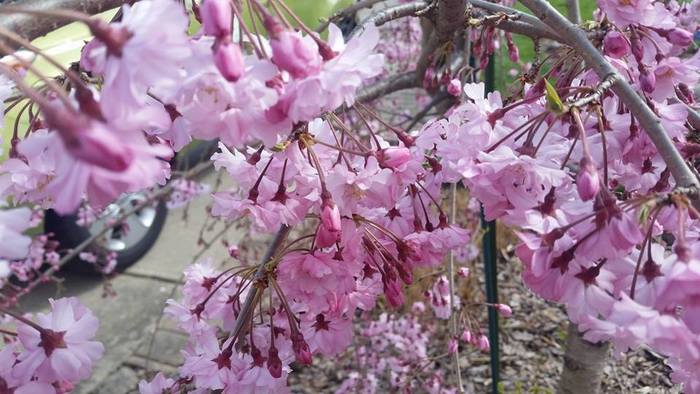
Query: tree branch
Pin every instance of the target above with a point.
(573, 11)
(389, 14)
(646, 117)
(398, 82)
(247, 307)
(352, 9)
(33, 26)
(450, 16)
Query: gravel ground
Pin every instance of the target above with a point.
(532, 350)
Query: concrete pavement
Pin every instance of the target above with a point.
(127, 319)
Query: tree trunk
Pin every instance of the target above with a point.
(583, 364)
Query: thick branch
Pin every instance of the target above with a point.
(646, 117)
(34, 26)
(351, 10)
(389, 14)
(450, 16)
(522, 16)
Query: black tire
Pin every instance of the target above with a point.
(194, 154)
(69, 234)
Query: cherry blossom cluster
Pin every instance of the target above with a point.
(355, 200)
(603, 230)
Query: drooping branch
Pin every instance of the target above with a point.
(33, 26)
(578, 39)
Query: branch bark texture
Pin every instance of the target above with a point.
(583, 364)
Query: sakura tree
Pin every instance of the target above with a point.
(589, 156)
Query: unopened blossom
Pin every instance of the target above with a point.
(616, 44)
(216, 17)
(455, 87)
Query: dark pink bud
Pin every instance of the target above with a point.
(229, 59)
(647, 80)
(330, 215)
(325, 237)
(393, 157)
(89, 140)
(393, 293)
(587, 180)
(455, 87)
(216, 17)
(452, 346)
(114, 38)
(274, 364)
(513, 51)
(467, 336)
(302, 352)
(637, 48)
(297, 55)
(483, 343)
(679, 37)
(504, 310)
(616, 44)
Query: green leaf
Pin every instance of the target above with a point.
(553, 100)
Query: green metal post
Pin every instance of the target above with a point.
(490, 257)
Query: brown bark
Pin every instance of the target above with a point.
(583, 364)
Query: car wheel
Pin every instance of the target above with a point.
(130, 241)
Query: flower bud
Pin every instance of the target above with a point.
(393, 157)
(297, 55)
(114, 38)
(302, 353)
(330, 216)
(467, 336)
(274, 364)
(504, 310)
(513, 51)
(680, 37)
(647, 80)
(216, 17)
(453, 346)
(325, 237)
(89, 140)
(483, 343)
(455, 87)
(587, 180)
(229, 59)
(393, 293)
(616, 44)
